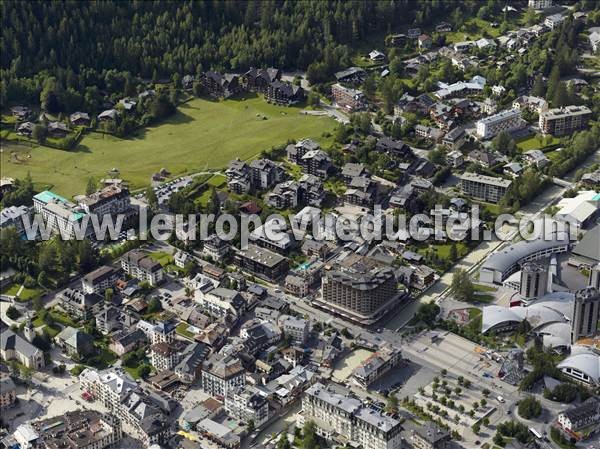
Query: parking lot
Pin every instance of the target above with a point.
(164, 191)
(461, 357)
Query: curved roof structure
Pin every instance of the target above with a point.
(556, 335)
(539, 314)
(505, 259)
(586, 362)
(494, 316)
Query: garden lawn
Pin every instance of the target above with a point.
(202, 134)
(532, 143)
(484, 288)
(182, 329)
(162, 258)
(63, 318)
(476, 28)
(27, 294)
(443, 249)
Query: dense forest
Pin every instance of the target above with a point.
(142, 36)
(78, 42)
(76, 54)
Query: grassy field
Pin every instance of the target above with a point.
(162, 258)
(534, 143)
(27, 294)
(477, 28)
(474, 33)
(443, 249)
(202, 134)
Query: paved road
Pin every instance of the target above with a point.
(335, 113)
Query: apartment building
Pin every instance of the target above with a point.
(376, 365)
(123, 398)
(347, 98)
(220, 373)
(485, 188)
(247, 404)
(261, 262)
(554, 20)
(563, 121)
(316, 163)
(529, 103)
(8, 391)
(189, 367)
(539, 4)
(83, 429)
(238, 177)
(61, 215)
(430, 436)
(164, 356)
(108, 387)
(507, 120)
(100, 279)
(284, 93)
(586, 313)
(111, 200)
(214, 247)
(219, 85)
(264, 173)
(345, 420)
(285, 195)
(295, 151)
(258, 80)
(79, 304)
(221, 302)
(295, 328)
(579, 417)
(161, 332)
(140, 265)
(358, 288)
(14, 216)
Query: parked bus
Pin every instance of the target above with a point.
(535, 433)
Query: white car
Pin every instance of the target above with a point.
(500, 399)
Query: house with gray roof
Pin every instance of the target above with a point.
(75, 342)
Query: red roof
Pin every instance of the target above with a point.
(250, 208)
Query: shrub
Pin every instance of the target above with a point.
(530, 407)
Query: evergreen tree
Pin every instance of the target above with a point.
(538, 89)
(453, 252)
(553, 82)
(561, 96)
(91, 186)
(462, 287)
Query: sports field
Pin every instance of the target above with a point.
(202, 134)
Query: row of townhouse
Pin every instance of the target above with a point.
(266, 81)
(257, 175)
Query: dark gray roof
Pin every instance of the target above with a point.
(11, 341)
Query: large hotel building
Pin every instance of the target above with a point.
(346, 420)
(358, 289)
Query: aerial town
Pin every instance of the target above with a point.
(463, 333)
